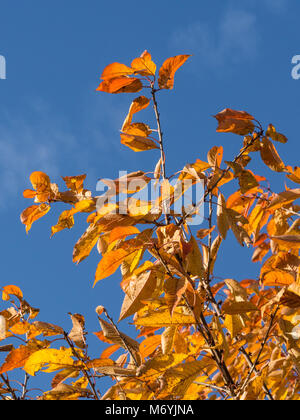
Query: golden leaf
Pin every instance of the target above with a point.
(52, 359)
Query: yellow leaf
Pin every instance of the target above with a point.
(168, 70)
(162, 318)
(167, 339)
(234, 324)
(18, 357)
(52, 359)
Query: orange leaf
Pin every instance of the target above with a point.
(144, 65)
(168, 70)
(136, 139)
(270, 156)
(32, 214)
(65, 221)
(137, 105)
(271, 132)
(116, 70)
(75, 183)
(120, 84)
(111, 261)
(11, 290)
(122, 232)
(40, 181)
(237, 122)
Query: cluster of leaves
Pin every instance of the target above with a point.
(199, 336)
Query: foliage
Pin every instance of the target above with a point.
(192, 343)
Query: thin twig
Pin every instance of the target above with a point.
(9, 388)
(251, 364)
(252, 370)
(84, 371)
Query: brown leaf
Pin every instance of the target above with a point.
(237, 122)
(270, 156)
(77, 332)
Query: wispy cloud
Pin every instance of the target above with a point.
(37, 139)
(232, 39)
(27, 145)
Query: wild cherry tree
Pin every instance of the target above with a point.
(198, 337)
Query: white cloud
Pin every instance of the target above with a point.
(233, 39)
(27, 145)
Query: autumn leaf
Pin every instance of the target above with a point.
(33, 213)
(9, 291)
(75, 183)
(238, 308)
(17, 358)
(49, 359)
(237, 122)
(144, 65)
(136, 140)
(65, 221)
(272, 133)
(77, 333)
(137, 105)
(121, 85)
(222, 219)
(270, 156)
(122, 232)
(168, 70)
(143, 287)
(116, 70)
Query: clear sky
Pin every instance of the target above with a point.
(51, 118)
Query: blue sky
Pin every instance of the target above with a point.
(51, 118)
